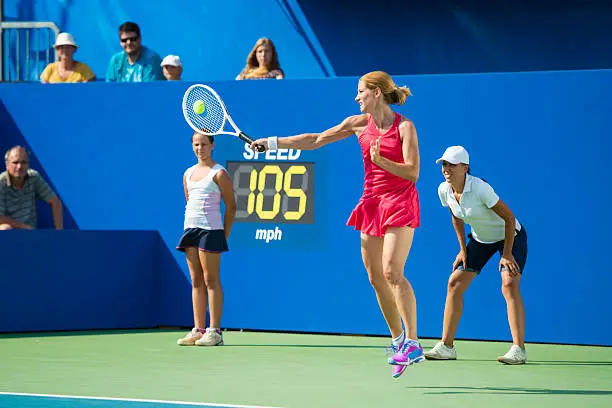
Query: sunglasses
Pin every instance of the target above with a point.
(132, 39)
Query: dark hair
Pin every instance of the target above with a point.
(129, 27)
(210, 138)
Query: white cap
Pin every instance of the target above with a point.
(64, 39)
(173, 60)
(455, 155)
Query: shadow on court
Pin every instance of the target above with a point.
(348, 346)
(571, 363)
(530, 362)
(510, 391)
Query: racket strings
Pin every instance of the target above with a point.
(212, 119)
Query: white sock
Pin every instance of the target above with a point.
(399, 339)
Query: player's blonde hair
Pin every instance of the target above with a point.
(383, 81)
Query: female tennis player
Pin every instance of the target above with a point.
(388, 211)
(494, 229)
(205, 238)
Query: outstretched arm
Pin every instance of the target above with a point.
(311, 141)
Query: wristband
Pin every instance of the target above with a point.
(273, 143)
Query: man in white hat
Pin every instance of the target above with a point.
(173, 67)
(66, 69)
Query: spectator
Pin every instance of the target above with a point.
(172, 67)
(20, 186)
(66, 69)
(136, 63)
(262, 62)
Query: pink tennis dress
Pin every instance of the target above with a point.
(387, 200)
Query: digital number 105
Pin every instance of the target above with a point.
(272, 192)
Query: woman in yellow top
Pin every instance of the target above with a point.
(66, 69)
(262, 62)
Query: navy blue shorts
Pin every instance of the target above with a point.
(478, 254)
(206, 240)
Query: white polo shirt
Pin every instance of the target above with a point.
(474, 208)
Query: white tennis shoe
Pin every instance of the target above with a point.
(514, 356)
(211, 338)
(441, 352)
(190, 339)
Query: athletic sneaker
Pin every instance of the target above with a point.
(191, 338)
(409, 353)
(514, 356)
(441, 352)
(211, 338)
(397, 370)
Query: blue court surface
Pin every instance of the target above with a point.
(17, 400)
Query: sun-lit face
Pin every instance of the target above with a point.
(366, 97)
(130, 42)
(172, 73)
(454, 172)
(202, 147)
(264, 55)
(65, 51)
(17, 163)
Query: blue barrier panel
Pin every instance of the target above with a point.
(76, 280)
(538, 138)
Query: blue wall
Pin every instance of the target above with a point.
(538, 138)
(213, 38)
(77, 280)
(457, 36)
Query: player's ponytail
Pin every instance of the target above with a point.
(398, 95)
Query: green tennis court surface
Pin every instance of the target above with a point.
(145, 369)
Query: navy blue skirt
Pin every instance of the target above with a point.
(205, 240)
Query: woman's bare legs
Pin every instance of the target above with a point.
(210, 262)
(396, 246)
(371, 253)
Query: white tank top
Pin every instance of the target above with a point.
(203, 209)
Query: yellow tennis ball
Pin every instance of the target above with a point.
(199, 107)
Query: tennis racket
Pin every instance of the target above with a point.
(206, 113)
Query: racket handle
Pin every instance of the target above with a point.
(248, 140)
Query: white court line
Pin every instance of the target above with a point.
(199, 404)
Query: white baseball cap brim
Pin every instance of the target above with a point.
(455, 155)
(172, 60)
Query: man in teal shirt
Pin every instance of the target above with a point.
(136, 63)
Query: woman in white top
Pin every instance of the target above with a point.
(494, 229)
(205, 238)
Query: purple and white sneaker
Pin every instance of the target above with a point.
(409, 353)
(397, 370)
